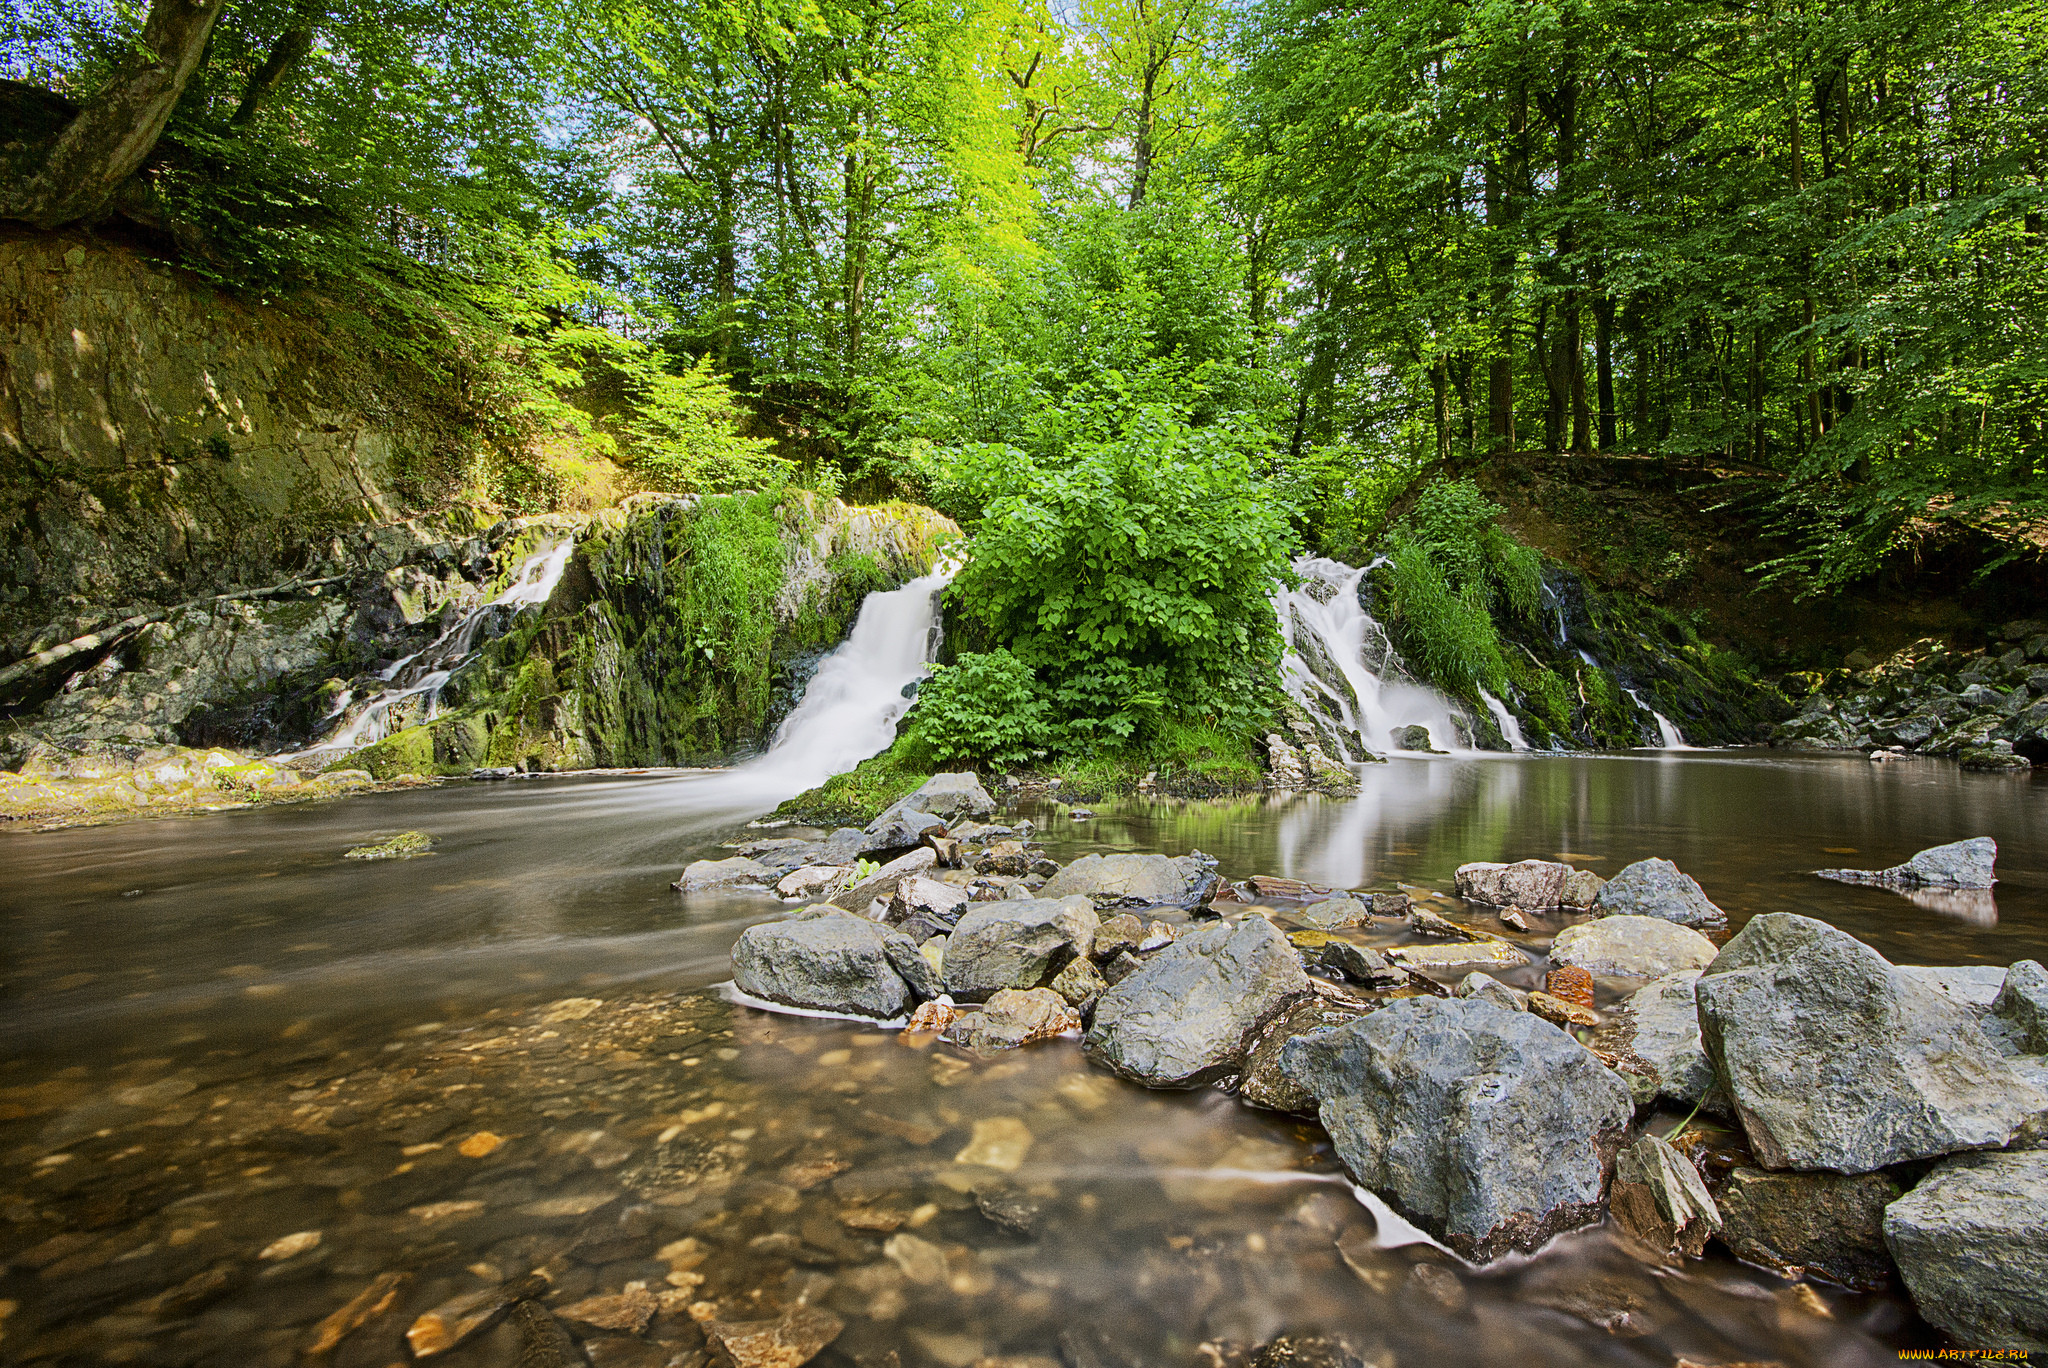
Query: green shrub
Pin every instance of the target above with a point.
(987, 707)
(1447, 632)
(1517, 571)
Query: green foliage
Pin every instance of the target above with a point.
(1453, 531)
(1516, 571)
(858, 796)
(986, 707)
(1447, 632)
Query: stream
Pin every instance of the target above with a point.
(248, 1081)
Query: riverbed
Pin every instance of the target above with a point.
(249, 1084)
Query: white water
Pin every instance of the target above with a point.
(1509, 727)
(1667, 730)
(1340, 629)
(425, 672)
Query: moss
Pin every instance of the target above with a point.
(858, 796)
(410, 751)
(403, 846)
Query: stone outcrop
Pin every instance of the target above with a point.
(1493, 1130)
(1188, 1015)
(1972, 1243)
(1834, 1060)
(1657, 888)
(835, 963)
(1632, 947)
(1959, 864)
(1532, 885)
(1983, 706)
(1830, 1225)
(1133, 881)
(1016, 944)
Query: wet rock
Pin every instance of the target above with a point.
(1016, 944)
(1004, 857)
(625, 1312)
(1124, 931)
(402, 846)
(952, 796)
(899, 829)
(1080, 983)
(1971, 1241)
(1657, 888)
(1960, 864)
(1571, 983)
(1835, 1061)
(1120, 967)
(1537, 885)
(812, 882)
(543, 1343)
(1189, 1014)
(1414, 738)
(948, 850)
(1489, 1128)
(932, 1017)
(372, 1301)
(704, 874)
(940, 902)
(1125, 881)
(458, 1318)
(1312, 1351)
(1391, 905)
(1487, 988)
(1361, 964)
(1458, 954)
(2020, 1011)
(1656, 1032)
(1828, 1224)
(1013, 1018)
(924, 973)
(998, 1142)
(1007, 1208)
(1424, 922)
(1560, 1012)
(1333, 914)
(836, 963)
(1264, 1083)
(882, 883)
(794, 1338)
(1581, 889)
(1659, 1198)
(1632, 947)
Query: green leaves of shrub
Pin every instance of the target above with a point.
(986, 707)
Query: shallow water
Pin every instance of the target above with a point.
(221, 1034)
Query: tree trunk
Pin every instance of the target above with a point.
(286, 53)
(118, 127)
(1503, 208)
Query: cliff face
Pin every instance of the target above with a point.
(160, 439)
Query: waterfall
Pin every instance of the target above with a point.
(1341, 668)
(415, 681)
(1510, 729)
(1667, 731)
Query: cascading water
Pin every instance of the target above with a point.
(1343, 670)
(422, 675)
(1667, 731)
(1510, 729)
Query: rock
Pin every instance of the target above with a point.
(1424, 922)
(1284, 764)
(811, 882)
(1007, 1208)
(1264, 1084)
(919, 1260)
(1972, 1244)
(1120, 966)
(932, 1018)
(1158, 935)
(922, 972)
(947, 849)
(1534, 885)
(1835, 1061)
(998, 1142)
(1656, 1036)
(836, 963)
(940, 903)
(1560, 1012)
(1992, 760)
(1188, 1015)
(1332, 914)
(455, 1320)
(1458, 954)
(1632, 947)
(704, 874)
(1012, 1018)
(1571, 983)
(1396, 905)
(1960, 864)
(1004, 857)
(1361, 964)
(1975, 986)
(2020, 1011)
(1581, 889)
(1415, 738)
(626, 1312)
(1122, 881)
(405, 845)
(1828, 1224)
(952, 797)
(1080, 983)
(1491, 1129)
(1487, 988)
(898, 829)
(794, 1338)
(882, 883)
(1658, 1197)
(1124, 931)
(1657, 888)
(1016, 944)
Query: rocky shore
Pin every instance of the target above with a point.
(1549, 1050)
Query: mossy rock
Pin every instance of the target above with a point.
(403, 846)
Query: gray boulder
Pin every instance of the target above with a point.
(1960, 864)
(1335, 913)
(937, 900)
(1834, 1060)
(1657, 888)
(1264, 1083)
(1972, 1243)
(738, 870)
(1016, 943)
(1582, 889)
(1487, 988)
(1187, 1016)
(1532, 885)
(1491, 1129)
(882, 883)
(1659, 1198)
(900, 828)
(834, 963)
(1133, 881)
(1828, 1224)
(1655, 1037)
(2020, 1011)
(1361, 964)
(1632, 947)
(1975, 986)
(952, 797)
(907, 958)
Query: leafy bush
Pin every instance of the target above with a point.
(986, 707)
(1446, 631)
(1451, 519)
(1517, 571)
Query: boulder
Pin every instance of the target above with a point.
(1016, 943)
(1124, 931)
(812, 881)
(1080, 983)
(1581, 889)
(882, 883)
(1413, 738)
(2020, 1011)
(1655, 1037)
(1532, 885)
(835, 963)
(1828, 1224)
(1960, 864)
(1972, 1244)
(1561, 1011)
(1360, 964)
(1632, 947)
(1264, 1083)
(935, 899)
(1975, 986)
(1657, 888)
(1659, 1198)
(1188, 1015)
(1333, 914)
(1834, 1060)
(1012, 1018)
(952, 797)
(1134, 881)
(920, 970)
(1487, 988)
(1491, 1129)
(900, 828)
(1391, 905)
(1004, 857)
(703, 874)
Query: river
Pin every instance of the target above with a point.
(224, 1040)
